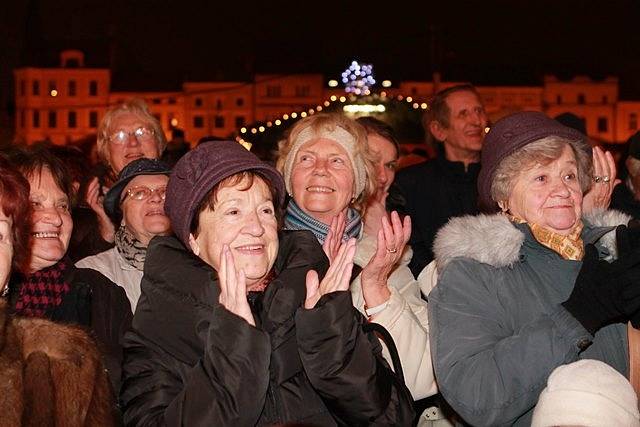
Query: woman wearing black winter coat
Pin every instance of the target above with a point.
(227, 333)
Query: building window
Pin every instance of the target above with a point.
(239, 102)
(219, 122)
(605, 100)
(53, 119)
(274, 91)
(633, 121)
(22, 119)
(581, 98)
(603, 125)
(302, 91)
(23, 87)
(93, 88)
(93, 119)
(219, 104)
(172, 101)
(72, 120)
(35, 88)
(239, 121)
(558, 99)
(156, 100)
(36, 119)
(52, 85)
(198, 122)
(72, 88)
(198, 102)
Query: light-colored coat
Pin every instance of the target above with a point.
(405, 317)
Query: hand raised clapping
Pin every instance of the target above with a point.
(604, 176)
(338, 275)
(392, 238)
(233, 287)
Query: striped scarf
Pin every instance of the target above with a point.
(131, 249)
(43, 290)
(296, 219)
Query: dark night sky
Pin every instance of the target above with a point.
(157, 45)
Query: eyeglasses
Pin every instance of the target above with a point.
(142, 134)
(143, 193)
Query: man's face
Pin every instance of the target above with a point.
(467, 121)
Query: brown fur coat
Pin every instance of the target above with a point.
(51, 375)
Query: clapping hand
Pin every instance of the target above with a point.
(334, 238)
(604, 176)
(95, 199)
(233, 287)
(392, 238)
(337, 278)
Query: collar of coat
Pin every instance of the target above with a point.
(494, 240)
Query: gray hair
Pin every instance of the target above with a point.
(542, 151)
(137, 107)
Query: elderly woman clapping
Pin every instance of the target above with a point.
(530, 288)
(136, 202)
(239, 324)
(330, 176)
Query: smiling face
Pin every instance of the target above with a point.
(121, 155)
(245, 220)
(549, 195)
(387, 160)
(464, 136)
(52, 224)
(6, 248)
(322, 179)
(146, 218)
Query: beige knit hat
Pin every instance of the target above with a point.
(342, 137)
(587, 393)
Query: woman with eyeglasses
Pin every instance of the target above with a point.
(126, 133)
(136, 202)
(50, 286)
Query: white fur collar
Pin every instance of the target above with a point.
(493, 240)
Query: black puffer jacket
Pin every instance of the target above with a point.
(189, 361)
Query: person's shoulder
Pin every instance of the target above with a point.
(300, 247)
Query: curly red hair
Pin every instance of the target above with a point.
(15, 204)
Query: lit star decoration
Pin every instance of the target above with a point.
(358, 78)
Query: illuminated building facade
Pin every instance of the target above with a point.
(66, 103)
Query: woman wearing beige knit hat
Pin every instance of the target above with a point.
(329, 174)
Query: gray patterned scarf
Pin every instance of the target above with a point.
(131, 249)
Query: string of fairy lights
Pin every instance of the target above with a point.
(260, 127)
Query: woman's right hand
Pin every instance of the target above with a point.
(233, 287)
(338, 276)
(94, 200)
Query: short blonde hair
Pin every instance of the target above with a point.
(542, 151)
(137, 107)
(329, 122)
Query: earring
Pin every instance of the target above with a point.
(503, 206)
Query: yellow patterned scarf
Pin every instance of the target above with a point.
(570, 246)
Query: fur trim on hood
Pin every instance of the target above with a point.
(493, 240)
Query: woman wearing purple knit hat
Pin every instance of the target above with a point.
(535, 284)
(241, 324)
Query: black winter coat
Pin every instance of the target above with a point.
(431, 193)
(189, 361)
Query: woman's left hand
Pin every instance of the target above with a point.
(338, 275)
(333, 241)
(392, 239)
(233, 287)
(604, 175)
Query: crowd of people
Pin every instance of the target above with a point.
(490, 285)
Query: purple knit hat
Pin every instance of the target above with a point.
(507, 136)
(198, 171)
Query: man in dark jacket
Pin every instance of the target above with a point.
(444, 187)
(626, 196)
